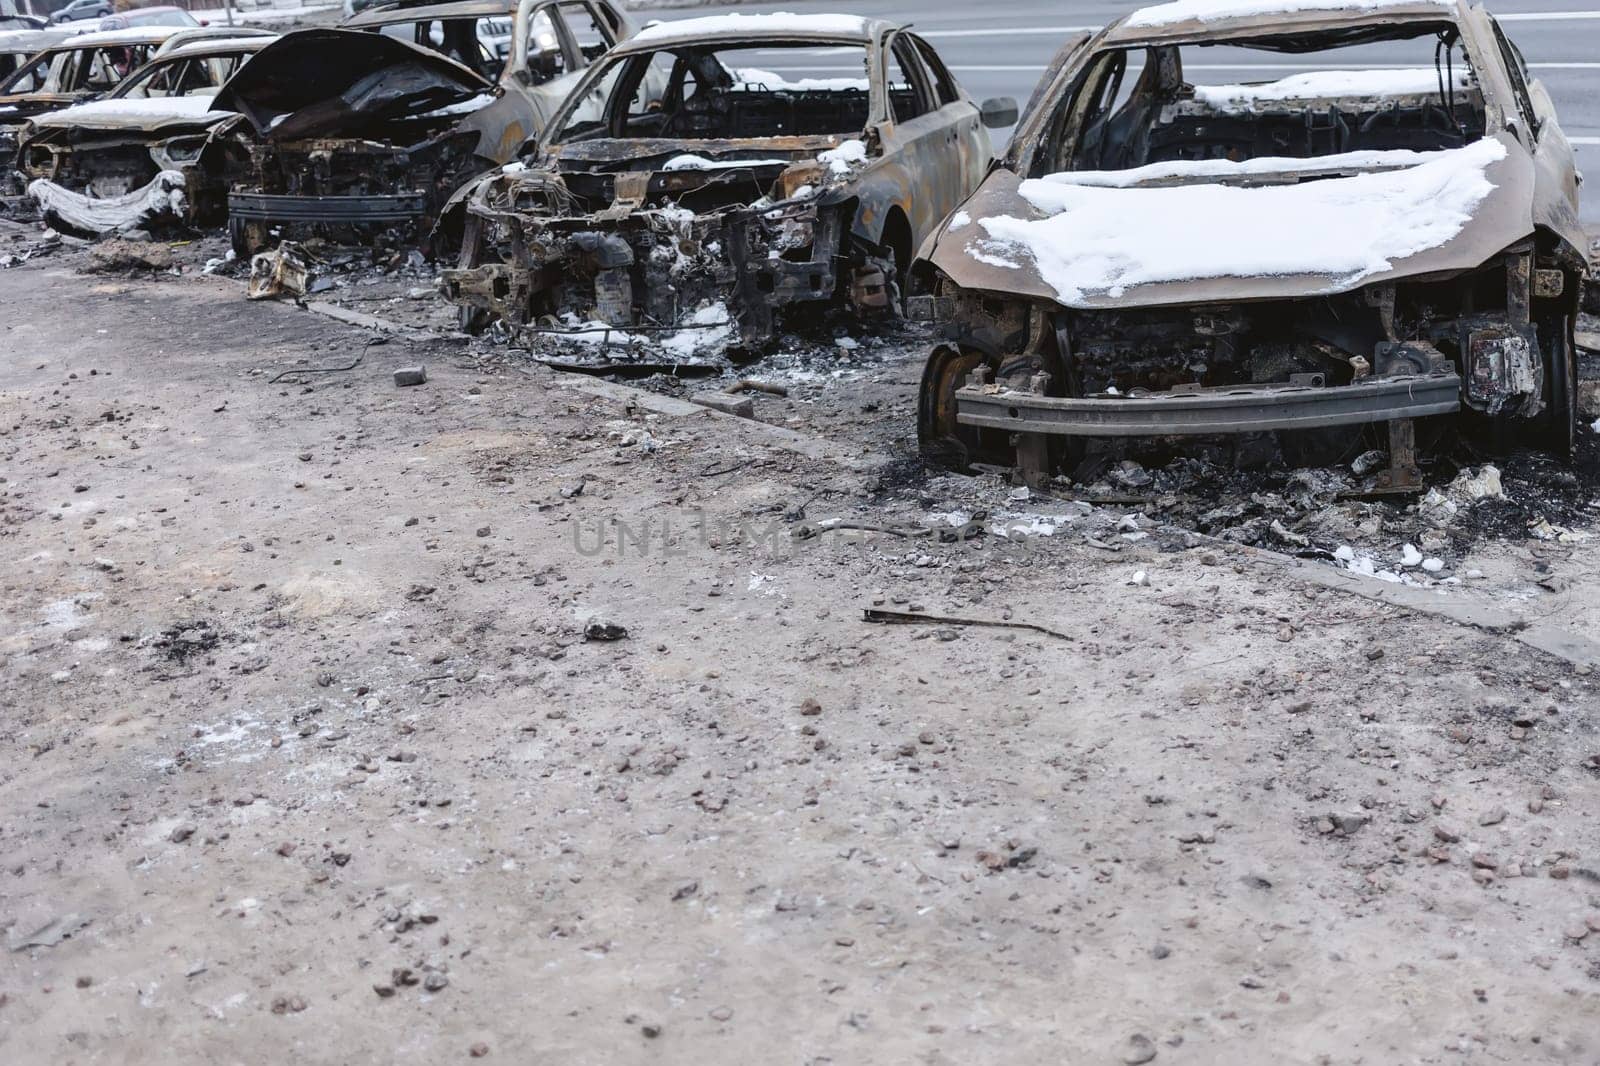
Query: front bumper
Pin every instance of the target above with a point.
(330, 210)
(1212, 411)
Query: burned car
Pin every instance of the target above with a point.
(743, 186)
(139, 157)
(80, 68)
(1307, 257)
(19, 45)
(374, 125)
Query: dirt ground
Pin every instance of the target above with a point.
(527, 717)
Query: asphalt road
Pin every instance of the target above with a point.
(1000, 47)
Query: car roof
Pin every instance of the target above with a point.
(128, 35)
(29, 41)
(1201, 20)
(218, 46)
(384, 14)
(778, 26)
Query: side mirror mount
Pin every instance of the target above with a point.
(999, 112)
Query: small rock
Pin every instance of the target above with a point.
(183, 832)
(742, 406)
(1139, 1049)
(721, 1014)
(604, 631)
(810, 708)
(410, 375)
(1576, 931)
(1494, 817)
(435, 982)
(1449, 836)
(478, 1050)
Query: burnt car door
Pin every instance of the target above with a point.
(552, 44)
(927, 124)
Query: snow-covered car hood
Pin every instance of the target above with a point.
(16, 109)
(338, 82)
(1213, 230)
(153, 115)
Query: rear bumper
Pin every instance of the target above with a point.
(1208, 412)
(333, 210)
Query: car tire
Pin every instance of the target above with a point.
(472, 320)
(246, 238)
(1559, 429)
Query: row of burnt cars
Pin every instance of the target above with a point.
(1384, 242)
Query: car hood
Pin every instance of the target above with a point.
(158, 115)
(1215, 231)
(16, 109)
(338, 82)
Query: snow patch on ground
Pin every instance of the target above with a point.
(1102, 242)
(704, 333)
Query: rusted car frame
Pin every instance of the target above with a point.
(740, 189)
(80, 68)
(138, 157)
(363, 169)
(1049, 344)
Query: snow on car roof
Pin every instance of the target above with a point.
(1099, 241)
(1327, 84)
(219, 46)
(128, 35)
(776, 24)
(1215, 10)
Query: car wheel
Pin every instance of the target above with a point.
(1559, 431)
(246, 238)
(473, 320)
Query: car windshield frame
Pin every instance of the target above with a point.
(557, 132)
(1037, 141)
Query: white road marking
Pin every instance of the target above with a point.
(1547, 16)
(1034, 68)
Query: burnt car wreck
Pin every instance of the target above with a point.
(1306, 257)
(374, 125)
(139, 158)
(683, 186)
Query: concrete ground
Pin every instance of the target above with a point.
(523, 717)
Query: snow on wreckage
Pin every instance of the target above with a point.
(700, 167)
(1303, 258)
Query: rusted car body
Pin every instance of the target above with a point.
(138, 157)
(1337, 248)
(79, 68)
(362, 147)
(18, 45)
(737, 188)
